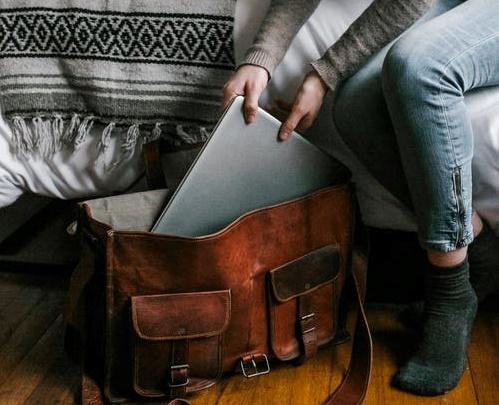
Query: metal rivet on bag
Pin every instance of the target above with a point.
(307, 286)
(72, 228)
(181, 331)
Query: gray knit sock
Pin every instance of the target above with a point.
(450, 308)
(483, 258)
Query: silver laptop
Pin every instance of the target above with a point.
(241, 168)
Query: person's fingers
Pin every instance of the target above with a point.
(292, 122)
(252, 94)
(230, 92)
(305, 123)
(248, 81)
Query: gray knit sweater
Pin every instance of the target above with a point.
(380, 23)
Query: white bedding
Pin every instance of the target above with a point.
(75, 175)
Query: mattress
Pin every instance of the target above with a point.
(378, 207)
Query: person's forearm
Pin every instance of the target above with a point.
(284, 19)
(382, 22)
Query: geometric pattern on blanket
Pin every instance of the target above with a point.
(195, 40)
(155, 68)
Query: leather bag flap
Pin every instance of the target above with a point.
(181, 316)
(305, 274)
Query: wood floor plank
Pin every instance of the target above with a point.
(483, 354)
(11, 286)
(28, 332)
(31, 371)
(18, 308)
(34, 369)
(61, 383)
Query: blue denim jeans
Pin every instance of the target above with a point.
(403, 115)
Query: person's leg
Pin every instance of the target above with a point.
(362, 118)
(363, 121)
(424, 78)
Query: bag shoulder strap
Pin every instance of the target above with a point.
(353, 388)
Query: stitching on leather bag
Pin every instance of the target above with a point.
(110, 266)
(336, 245)
(320, 343)
(136, 385)
(236, 224)
(215, 332)
(334, 292)
(156, 394)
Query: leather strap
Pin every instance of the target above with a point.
(179, 369)
(353, 388)
(308, 331)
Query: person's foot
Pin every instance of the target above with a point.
(411, 316)
(483, 257)
(450, 309)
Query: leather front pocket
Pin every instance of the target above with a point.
(303, 303)
(177, 341)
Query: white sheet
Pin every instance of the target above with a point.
(68, 174)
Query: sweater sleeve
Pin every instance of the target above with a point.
(380, 23)
(283, 20)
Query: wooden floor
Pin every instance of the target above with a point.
(34, 369)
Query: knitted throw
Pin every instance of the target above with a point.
(152, 66)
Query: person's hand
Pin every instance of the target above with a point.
(248, 81)
(306, 106)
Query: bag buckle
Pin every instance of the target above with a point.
(307, 323)
(172, 374)
(255, 365)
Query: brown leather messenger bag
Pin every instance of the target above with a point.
(160, 317)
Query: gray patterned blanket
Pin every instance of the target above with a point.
(152, 66)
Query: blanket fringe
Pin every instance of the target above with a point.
(71, 130)
(184, 135)
(128, 145)
(155, 133)
(105, 141)
(83, 131)
(43, 139)
(58, 131)
(22, 136)
(44, 136)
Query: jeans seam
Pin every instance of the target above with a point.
(445, 69)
